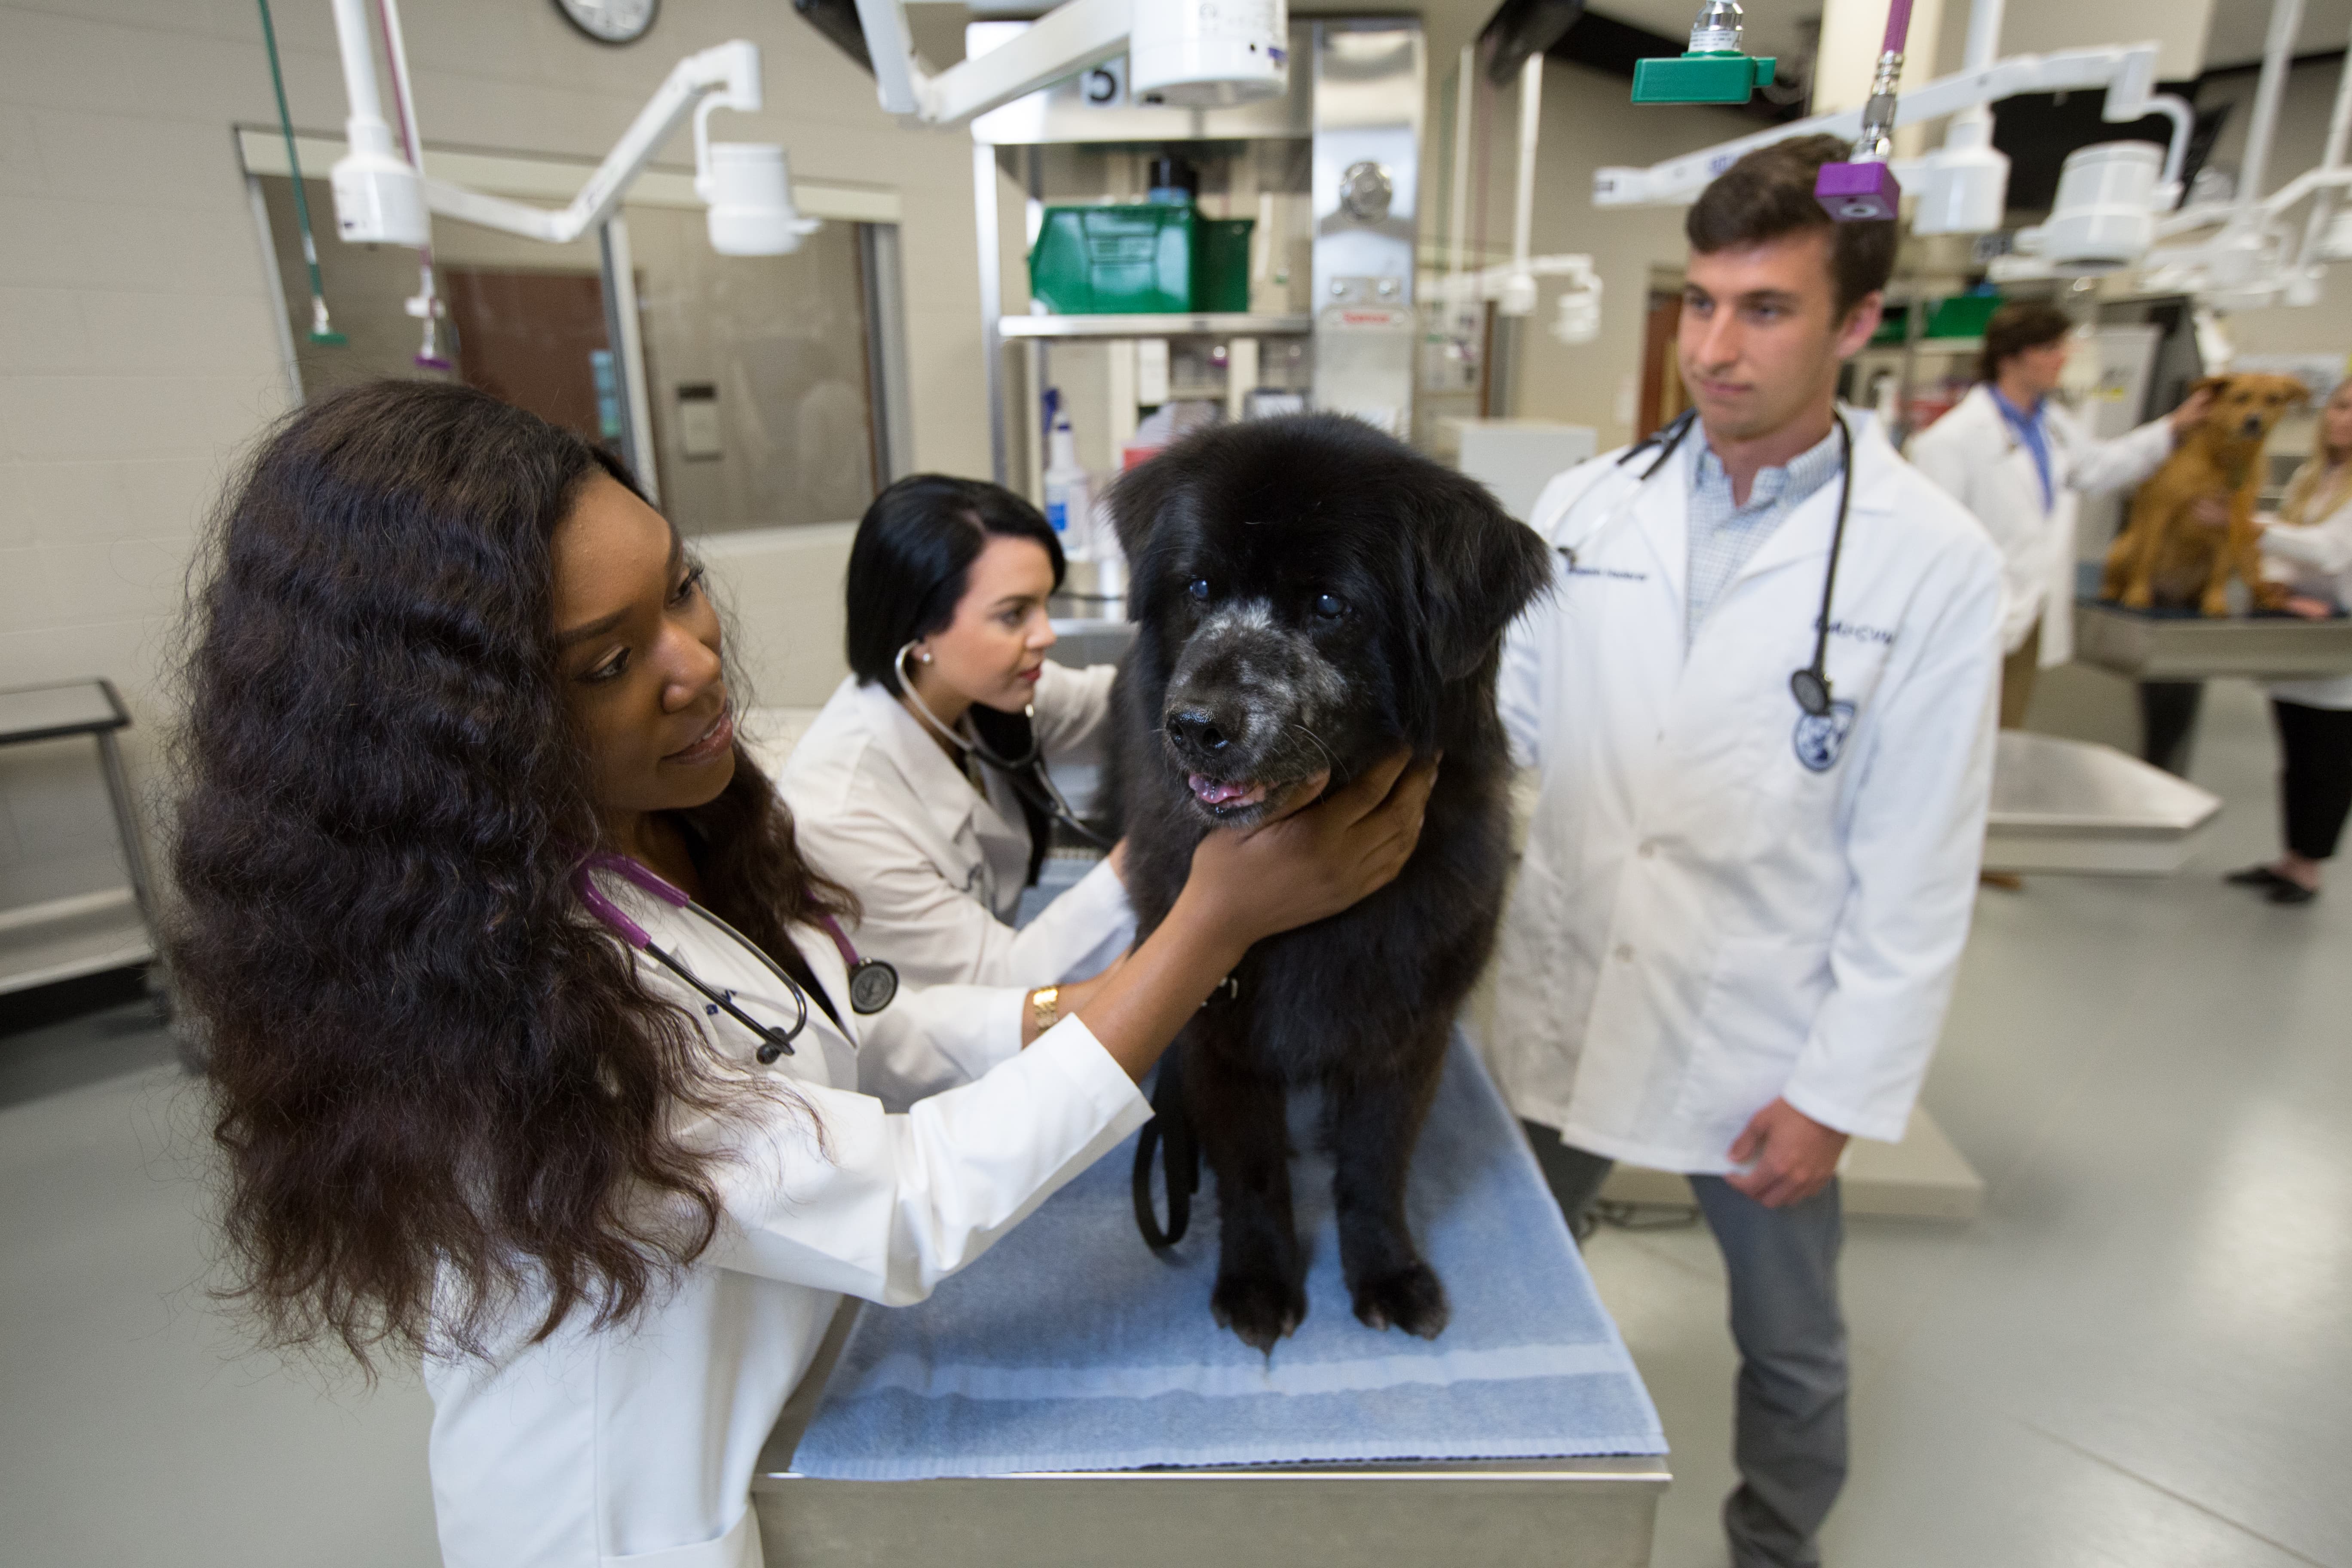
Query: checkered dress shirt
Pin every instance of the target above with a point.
(1723, 536)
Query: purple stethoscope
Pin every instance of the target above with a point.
(872, 982)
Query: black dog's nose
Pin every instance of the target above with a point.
(1196, 729)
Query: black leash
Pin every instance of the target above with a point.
(1170, 1132)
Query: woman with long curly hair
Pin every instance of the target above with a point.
(459, 745)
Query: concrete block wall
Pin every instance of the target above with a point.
(1590, 121)
(137, 355)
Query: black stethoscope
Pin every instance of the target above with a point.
(872, 982)
(1811, 685)
(1027, 774)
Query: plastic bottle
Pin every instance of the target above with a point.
(1067, 506)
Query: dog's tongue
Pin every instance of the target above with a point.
(1213, 792)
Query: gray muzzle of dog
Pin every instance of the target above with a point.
(1243, 708)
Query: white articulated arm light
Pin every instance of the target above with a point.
(1200, 53)
(382, 198)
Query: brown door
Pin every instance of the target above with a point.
(534, 340)
(1662, 383)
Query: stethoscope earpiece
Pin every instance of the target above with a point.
(1027, 776)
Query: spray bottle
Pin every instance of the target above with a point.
(1067, 506)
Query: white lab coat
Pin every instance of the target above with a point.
(1974, 455)
(2316, 559)
(938, 867)
(635, 1445)
(1701, 922)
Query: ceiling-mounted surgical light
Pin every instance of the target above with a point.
(2104, 218)
(1963, 186)
(749, 186)
(1208, 54)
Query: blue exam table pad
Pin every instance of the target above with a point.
(1072, 1346)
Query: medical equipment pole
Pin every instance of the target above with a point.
(1458, 217)
(2269, 91)
(2332, 161)
(427, 303)
(378, 196)
(1519, 289)
(322, 331)
(2339, 129)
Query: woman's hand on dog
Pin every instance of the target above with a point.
(1248, 883)
(2193, 408)
(1317, 855)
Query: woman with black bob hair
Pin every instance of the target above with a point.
(902, 784)
(487, 1090)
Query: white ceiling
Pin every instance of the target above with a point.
(1772, 25)
(2239, 26)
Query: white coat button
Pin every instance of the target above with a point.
(1625, 953)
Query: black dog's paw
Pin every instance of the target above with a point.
(1258, 1308)
(1411, 1298)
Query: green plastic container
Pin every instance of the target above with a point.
(1953, 316)
(1961, 315)
(1134, 259)
(1221, 281)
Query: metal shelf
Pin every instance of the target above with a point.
(1220, 324)
(1929, 346)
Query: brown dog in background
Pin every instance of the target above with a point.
(2164, 556)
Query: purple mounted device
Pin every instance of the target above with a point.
(1864, 190)
(1858, 193)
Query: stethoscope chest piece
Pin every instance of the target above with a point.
(872, 985)
(1811, 690)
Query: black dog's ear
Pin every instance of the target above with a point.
(1137, 500)
(1481, 566)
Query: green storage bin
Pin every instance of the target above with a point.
(1221, 281)
(1136, 259)
(1961, 315)
(1953, 316)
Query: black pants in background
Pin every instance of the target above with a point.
(2314, 776)
(2168, 722)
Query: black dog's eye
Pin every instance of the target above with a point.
(1198, 587)
(1330, 607)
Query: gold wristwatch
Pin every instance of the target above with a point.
(1045, 1007)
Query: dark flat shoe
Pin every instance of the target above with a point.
(2288, 892)
(2257, 877)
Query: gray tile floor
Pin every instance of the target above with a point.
(2139, 1355)
(2142, 1352)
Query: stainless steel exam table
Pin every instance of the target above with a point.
(1069, 1400)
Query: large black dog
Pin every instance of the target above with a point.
(1313, 595)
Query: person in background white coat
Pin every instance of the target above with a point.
(2308, 546)
(1737, 922)
(2019, 462)
(947, 632)
(459, 744)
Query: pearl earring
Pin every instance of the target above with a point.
(925, 656)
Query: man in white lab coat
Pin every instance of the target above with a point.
(2017, 461)
(1734, 930)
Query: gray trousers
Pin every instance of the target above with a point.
(1789, 1439)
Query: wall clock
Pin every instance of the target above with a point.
(610, 21)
